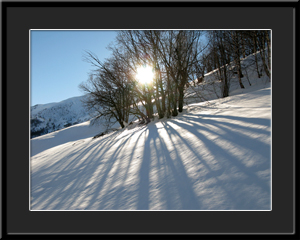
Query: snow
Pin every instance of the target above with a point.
(216, 155)
(73, 134)
(56, 116)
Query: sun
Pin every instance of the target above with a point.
(145, 74)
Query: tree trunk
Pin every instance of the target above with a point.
(243, 46)
(175, 112)
(219, 68)
(169, 92)
(180, 100)
(163, 95)
(262, 53)
(225, 84)
(269, 49)
(223, 60)
(119, 118)
(237, 58)
(225, 88)
(157, 101)
(121, 123)
(255, 51)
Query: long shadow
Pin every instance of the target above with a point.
(143, 192)
(120, 191)
(174, 187)
(83, 178)
(166, 199)
(168, 193)
(188, 198)
(67, 161)
(76, 174)
(103, 177)
(58, 165)
(232, 135)
(252, 178)
(257, 121)
(88, 169)
(69, 176)
(185, 144)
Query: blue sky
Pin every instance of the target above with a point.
(57, 66)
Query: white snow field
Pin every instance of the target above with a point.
(215, 155)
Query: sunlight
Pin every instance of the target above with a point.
(145, 74)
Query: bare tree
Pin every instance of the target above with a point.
(221, 54)
(176, 57)
(107, 90)
(263, 40)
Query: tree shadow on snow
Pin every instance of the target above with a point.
(241, 183)
(195, 162)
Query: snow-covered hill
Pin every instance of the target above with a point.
(211, 86)
(47, 118)
(214, 156)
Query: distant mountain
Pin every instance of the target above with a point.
(46, 118)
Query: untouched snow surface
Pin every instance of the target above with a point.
(215, 155)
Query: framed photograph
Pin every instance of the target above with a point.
(148, 119)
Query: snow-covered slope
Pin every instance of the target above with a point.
(215, 155)
(46, 118)
(211, 86)
(70, 134)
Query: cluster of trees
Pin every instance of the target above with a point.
(176, 57)
(226, 49)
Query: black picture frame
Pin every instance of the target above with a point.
(19, 17)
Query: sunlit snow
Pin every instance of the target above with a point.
(215, 155)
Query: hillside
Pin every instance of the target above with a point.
(47, 118)
(214, 156)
